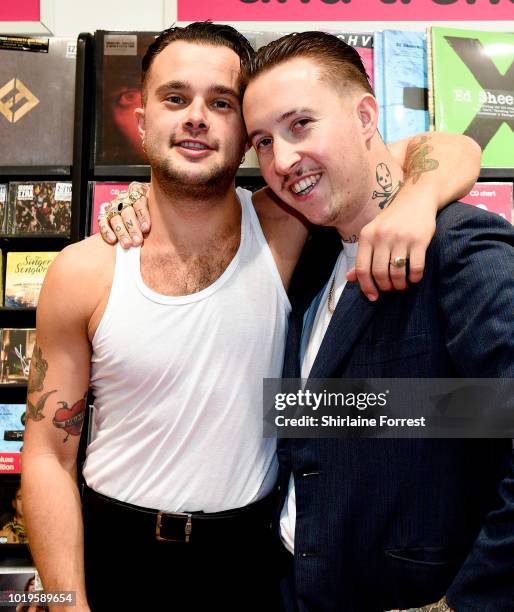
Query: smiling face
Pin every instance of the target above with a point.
(191, 123)
(310, 139)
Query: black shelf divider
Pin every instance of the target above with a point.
(35, 172)
(499, 174)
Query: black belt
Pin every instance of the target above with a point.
(187, 527)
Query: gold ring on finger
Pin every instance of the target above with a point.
(111, 213)
(135, 195)
(399, 262)
(125, 203)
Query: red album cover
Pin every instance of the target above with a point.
(103, 194)
(119, 79)
(494, 197)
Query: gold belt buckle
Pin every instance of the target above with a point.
(187, 529)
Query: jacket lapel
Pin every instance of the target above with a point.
(352, 315)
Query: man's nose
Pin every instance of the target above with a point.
(196, 117)
(286, 157)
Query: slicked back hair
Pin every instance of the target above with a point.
(202, 33)
(341, 64)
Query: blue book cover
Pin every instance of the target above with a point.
(405, 83)
(378, 67)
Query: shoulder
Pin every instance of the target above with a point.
(79, 276)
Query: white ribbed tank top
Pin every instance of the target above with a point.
(178, 384)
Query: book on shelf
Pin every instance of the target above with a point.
(405, 84)
(4, 189)
(37, 94)
(119, 55)
(17, 345)
(40, 207)
(363, 43)
(24, 276)
(472, 89)
(494, 197)
(102, 194)
(12, 427)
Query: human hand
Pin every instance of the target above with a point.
(127, 217)
(402, 230)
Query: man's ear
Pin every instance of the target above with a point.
(140, 116)
(367, 113)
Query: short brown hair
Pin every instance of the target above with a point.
(201, 32)
(341, 62)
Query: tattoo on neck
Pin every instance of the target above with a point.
(388, 191)
(417, 161)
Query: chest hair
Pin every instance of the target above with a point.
(183, 273)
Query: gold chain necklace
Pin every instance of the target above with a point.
(330, 302)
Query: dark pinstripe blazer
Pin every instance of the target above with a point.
(385, 524)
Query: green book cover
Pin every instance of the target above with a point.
(473, 89)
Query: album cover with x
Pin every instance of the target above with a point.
(472, 85)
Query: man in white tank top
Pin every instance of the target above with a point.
(175, 338)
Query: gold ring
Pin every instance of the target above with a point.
(135, 195)
(399, 262)
(112, 212)
(122, 204)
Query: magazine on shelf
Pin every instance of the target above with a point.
(119, 55)
(24, 276)
(37, 99)
(40, 208)
(494, 197)
(405, 84)
(17, 345)
(472, 89)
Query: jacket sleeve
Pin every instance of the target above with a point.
(476, 296)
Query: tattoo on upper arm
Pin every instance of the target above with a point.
(388, 191)
(417, 161)
(70, 419)
(38, 369)
(35, 412)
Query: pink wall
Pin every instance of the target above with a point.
(344, 10)
(19, 10)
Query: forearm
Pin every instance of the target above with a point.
(53, 515)
(443, 166)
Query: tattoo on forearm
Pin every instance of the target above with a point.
(38, 369)
(418, 162)
(385, 182)
(70, 419)
(35, 412)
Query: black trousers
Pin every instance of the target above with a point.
(127, 568)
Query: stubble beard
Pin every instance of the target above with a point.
(213, 183)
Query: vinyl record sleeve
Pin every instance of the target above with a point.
(473, 88)
(119, 56)
(24, 276)
(37, 100)
(40, 207)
